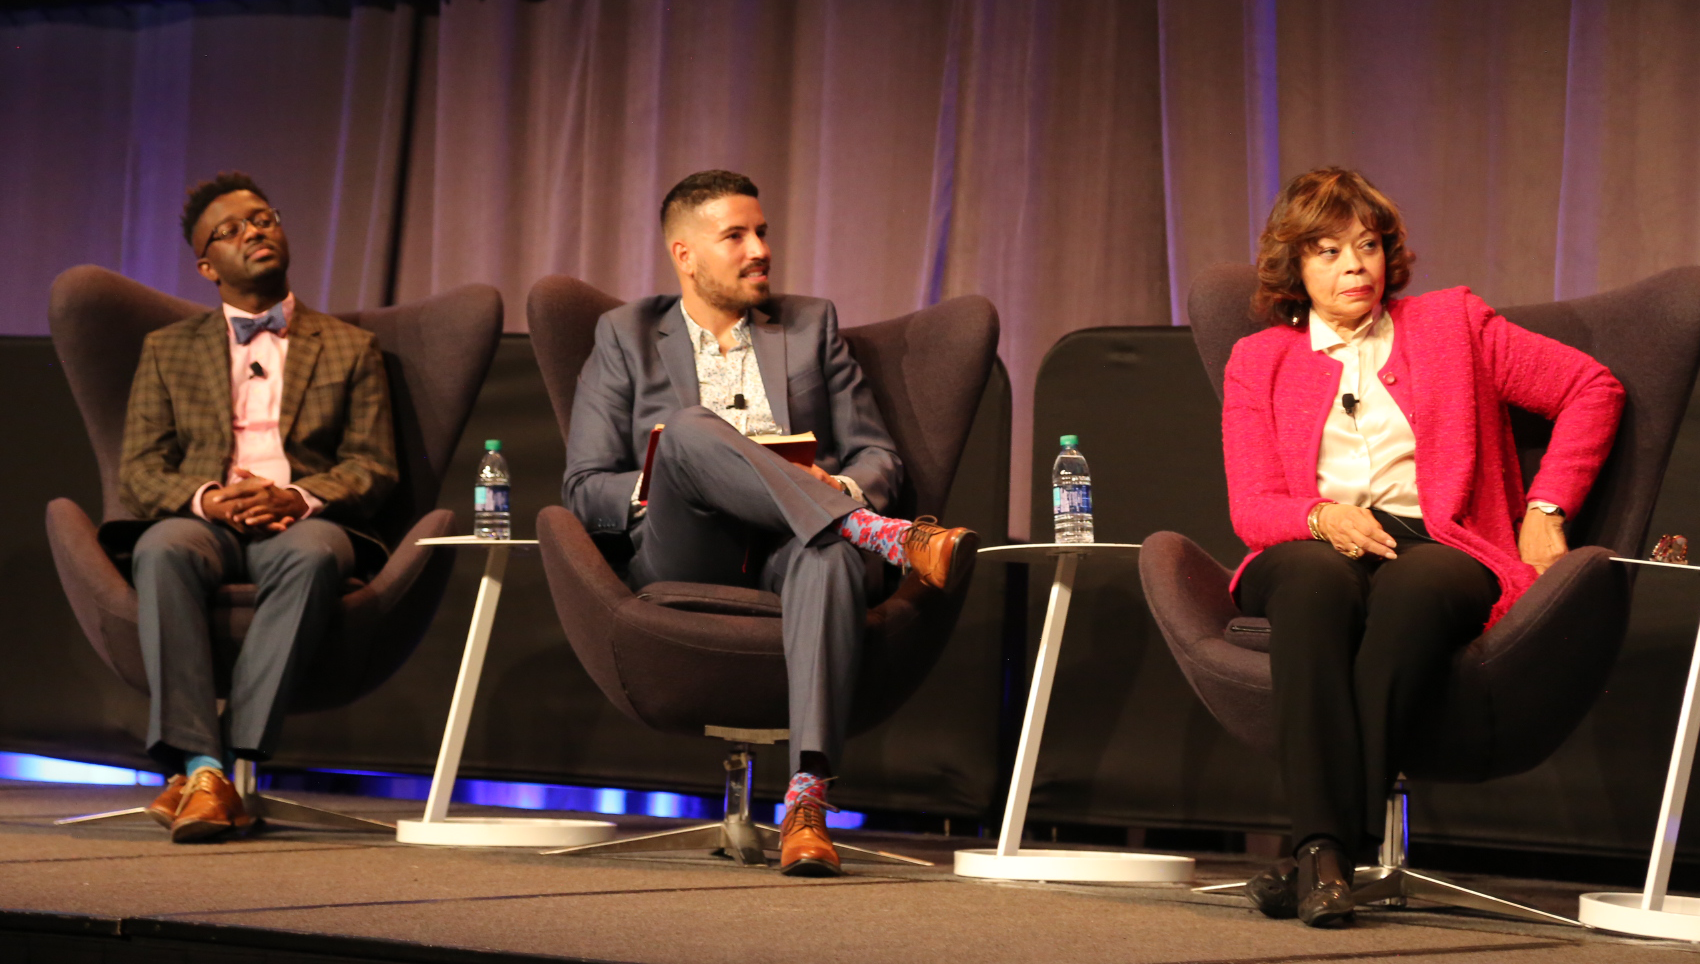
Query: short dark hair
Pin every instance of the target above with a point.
(1311, 207)
(202, 195)
(700, 188)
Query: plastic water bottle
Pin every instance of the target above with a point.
(1071, 493)
(490, 498)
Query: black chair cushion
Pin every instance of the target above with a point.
(702, 597)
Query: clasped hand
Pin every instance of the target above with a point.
(1540, 543)
(253, 504)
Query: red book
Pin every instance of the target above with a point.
(799, 449)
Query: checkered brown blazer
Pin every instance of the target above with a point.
(335, 417)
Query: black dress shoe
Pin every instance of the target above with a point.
(1275, 891)
(1324, 885)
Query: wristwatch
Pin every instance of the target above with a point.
(1546, 507)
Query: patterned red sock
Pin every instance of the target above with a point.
(875, 533)
(807, 787)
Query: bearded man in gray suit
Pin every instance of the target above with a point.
(724, 361)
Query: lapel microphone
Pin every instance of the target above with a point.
(255, 371)
(738, 401)
(1348, 401)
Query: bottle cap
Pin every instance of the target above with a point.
(1071, 440)
(492, 445)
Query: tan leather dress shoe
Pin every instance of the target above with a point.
(210, 807)
(939, 557)
(163, 809)
(804, 848)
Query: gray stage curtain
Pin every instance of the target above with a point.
(1077, 161)
(107, 113)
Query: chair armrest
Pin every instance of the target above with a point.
(382, 621)
(1187, 593)
(1536, 673)
(105, 604)
(567, 545)
(409, 560)
(588, 597)
(1579, 605)
(1185, 589)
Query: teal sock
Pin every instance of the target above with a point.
(193, 763)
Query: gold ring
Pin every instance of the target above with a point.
(1356, 552)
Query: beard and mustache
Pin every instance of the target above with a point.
(732, 298)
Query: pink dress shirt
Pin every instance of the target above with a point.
(256, 405)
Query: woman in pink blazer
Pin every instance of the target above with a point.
(1372, 473)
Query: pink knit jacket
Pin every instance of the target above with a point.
(1456, 366)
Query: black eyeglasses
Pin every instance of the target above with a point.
(261, 220)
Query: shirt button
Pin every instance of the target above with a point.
(1389, 378)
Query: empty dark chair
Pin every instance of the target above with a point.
(436, 352)
(695, 658)
(1520, 689)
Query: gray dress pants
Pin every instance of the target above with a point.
(177, 565)
(724, 510)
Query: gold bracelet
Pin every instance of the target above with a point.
(1310, 520)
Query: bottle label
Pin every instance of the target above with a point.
(490, 498)
(1071, 499)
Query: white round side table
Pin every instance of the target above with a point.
(437, 827)
(1011, 861)
(1652, 913)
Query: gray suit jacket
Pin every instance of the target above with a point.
(642, 370)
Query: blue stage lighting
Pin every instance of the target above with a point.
(396, 786)
(45, 769)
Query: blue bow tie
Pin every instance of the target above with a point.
(247, 328)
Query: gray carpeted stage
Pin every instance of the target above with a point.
(120, 892)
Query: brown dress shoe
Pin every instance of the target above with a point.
(210, 807)
(939, 557)
(163, 809)
(804, 848)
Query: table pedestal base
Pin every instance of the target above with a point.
(503, 832)
(1076, 865)
(1011, 861)
(1622, 913)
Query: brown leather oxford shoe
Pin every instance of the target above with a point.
(939, 556)
(804, 848)
(163, 809)
(211, 806)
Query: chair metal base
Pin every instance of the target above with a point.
(742, 841)
(1388, 883)
(735, 837)
(262, 807)
(1390, 886)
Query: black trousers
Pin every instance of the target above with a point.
(723, 509)
(1357, 648)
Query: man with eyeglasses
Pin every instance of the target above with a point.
(258, 441)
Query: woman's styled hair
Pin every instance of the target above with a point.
(1313, 206)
